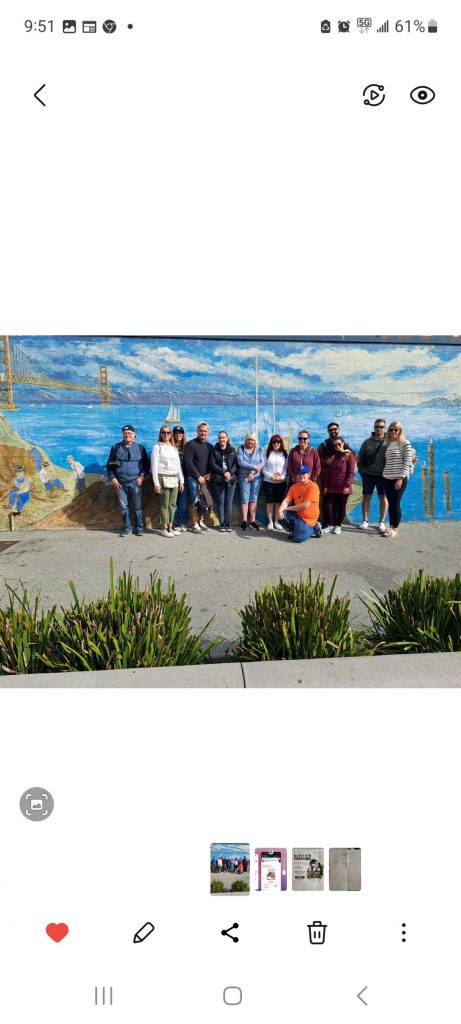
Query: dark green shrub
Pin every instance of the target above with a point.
(216, 885)
(296, 620)
(422, 616)
(25, 635)
(240, 885)
(130, 628)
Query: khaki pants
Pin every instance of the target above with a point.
(168, 500)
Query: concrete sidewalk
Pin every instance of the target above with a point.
(397, 671)
(220, 572)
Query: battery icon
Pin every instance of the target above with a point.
(432, 26)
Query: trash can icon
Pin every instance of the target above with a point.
(317, 933)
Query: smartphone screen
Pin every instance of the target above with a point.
(230, 506)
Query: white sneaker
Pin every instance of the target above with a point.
(382, 527)
(278, 526)
(327, 529)
(203, 526)
(177, 529)
(270, 526)
(364, 525)
(165, 532)
(196, 528)
(183, 529)
(337, 530)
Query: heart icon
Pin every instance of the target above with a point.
(57, 932)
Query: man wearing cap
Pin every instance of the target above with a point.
(300, 507)
(127, 466)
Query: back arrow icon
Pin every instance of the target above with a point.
(359, 995)
(37, 97)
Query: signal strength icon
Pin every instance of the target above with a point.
(384, 27)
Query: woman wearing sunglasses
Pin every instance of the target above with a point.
(181, 515)
(274, 480)
(303, 455)
(397, 469)
(168, 478)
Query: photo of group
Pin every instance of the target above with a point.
(335, 457)
(229, 869)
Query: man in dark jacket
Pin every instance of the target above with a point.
(197, 469)
(370, 464)
(127, 465)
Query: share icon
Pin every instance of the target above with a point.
(226, 931)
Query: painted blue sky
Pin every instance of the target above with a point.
(409, 371)
(230, 850)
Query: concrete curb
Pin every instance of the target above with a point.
(399, 671)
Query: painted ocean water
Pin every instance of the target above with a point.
(88, 433)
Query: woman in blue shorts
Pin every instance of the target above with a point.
(250, 461)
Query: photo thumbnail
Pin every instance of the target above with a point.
(308, 867)
(270, 869)
(229, 869)
(345, 870)
(308, 488)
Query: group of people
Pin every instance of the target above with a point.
(306, 489)
(235, 865)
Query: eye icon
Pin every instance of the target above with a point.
(423, 94)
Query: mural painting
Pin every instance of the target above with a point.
(64, 400)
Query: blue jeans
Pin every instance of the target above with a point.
(182, 508)
(127, 491)
(192, 485)
(301, 530)
(223, 495)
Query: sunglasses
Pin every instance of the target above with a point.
(302, 437)
(276, 442)
(331, 429)
(394, 430)
(167, 432)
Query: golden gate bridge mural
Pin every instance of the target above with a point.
(19, 366)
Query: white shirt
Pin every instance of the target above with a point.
(165, 460)
(276, 463)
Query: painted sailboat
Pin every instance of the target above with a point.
(172, 415)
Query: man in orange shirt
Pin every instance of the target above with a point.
(300, 507)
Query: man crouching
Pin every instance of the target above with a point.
(300, 508)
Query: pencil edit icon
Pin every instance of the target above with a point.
(144, 932)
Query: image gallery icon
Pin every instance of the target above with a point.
(69, 26)
(36, 804)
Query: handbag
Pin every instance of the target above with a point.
(168, 482)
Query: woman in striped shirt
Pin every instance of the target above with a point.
(397, 469)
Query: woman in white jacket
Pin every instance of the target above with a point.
(274, 479)
(396, 473)
(168, 479)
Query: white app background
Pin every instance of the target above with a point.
(143, 781)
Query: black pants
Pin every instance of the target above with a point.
(394, 498)
(334, 508)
